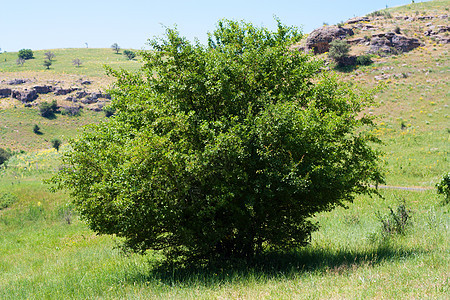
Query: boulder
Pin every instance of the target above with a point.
(62, 91)
(16, 81)
(319, 40)
(43, 89)
(390, 42)
(25, 95)
(4, 93)
(357, 20)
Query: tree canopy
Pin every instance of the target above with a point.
(222, 150)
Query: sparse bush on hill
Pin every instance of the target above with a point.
(364, 60)
(129, 54)
(36, 129)
(115, 47)
(47, 64)
(76, 62)
(7, 199)
(395, 222)
(25, 54)
(339, 51)
(20, 61)
(56, 143)
(229, 150)
(48, 110)
(49, 55)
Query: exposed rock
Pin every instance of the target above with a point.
(17, 81)
(442, 39)
(62, 91)
(357, 41)
(81, 94)
(319, 40)
(43, 89)
(391, 43)
(5, 93)
(85, 82)
(357, 20)
(25, 95)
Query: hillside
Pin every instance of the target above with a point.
(47, 252)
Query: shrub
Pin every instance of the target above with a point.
(395, 222)
(339, 50)
(36, 129)
(115, 47)
(47, 64)
(56, 143)
(443, 187)
(7, 199)
(364, 60)
(109, 111)
(48, 110)
(76, 62)
(25, 54)
(229, 150)
(49, 55)
(129, 54)
(5, 154)
(20, 61)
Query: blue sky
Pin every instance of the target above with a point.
(50, 24)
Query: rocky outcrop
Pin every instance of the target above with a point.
(62, 91)
(43, 89)
(25, 95)
(357, 20)
(390, 42)
(4, 93)
(17, 81)
(319, 40)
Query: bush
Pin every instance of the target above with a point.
(5, 154)
(109, 111)
(443, 187)
(229, 150)
(339, 50)
(364, 60)
(25, 54)
(56, 143)
(48, 110)
(129, 54)
(395, 222)
(47, 64)
(36, 129)
(7, 199)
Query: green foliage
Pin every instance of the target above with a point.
(25, 54)
(36, 129)
(5, 154)
(7, 199)
(56, 143)
(339, 50)
(443, 187)
(109, 111)
(222, 150)
(115, 47)
(364, 60)
(47, 109)
(47, 64)
(129, 54)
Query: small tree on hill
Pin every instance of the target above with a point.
(49, 55)
(25, 54)
(47, 64)
(115, 47)
(224, 150)
(56, 143)
(129, 54)
(20, 61)
(76, 62)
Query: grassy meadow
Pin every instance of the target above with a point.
(47, 252)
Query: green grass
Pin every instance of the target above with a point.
(92, 60)
(16, 130)
(44, 257)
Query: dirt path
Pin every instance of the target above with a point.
(406, 188)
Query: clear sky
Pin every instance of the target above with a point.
(51, 24)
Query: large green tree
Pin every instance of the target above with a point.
(222, 150)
